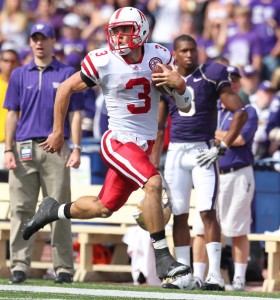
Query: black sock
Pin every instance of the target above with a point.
(157, 236)
(67, 210)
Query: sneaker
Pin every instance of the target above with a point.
(17, 277)
(184, 282)
(197, 283)
(238, 284)
(213, 283)
(168, 267)
(46, 214)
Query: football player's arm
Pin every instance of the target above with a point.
(73, 84)
(158, 146)
(182, 95)
(233, 103)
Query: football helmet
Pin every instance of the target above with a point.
(127, 16)
(138, 215)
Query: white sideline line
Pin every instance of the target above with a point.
(119, 293)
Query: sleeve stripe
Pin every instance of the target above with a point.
(86, 69)
(91, 66)
(170, 59)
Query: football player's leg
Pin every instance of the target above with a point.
(179, 184)
(206, 182)
(136, 167)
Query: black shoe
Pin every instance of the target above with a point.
(46, 214)
(168, 267)
(170, 286)
(17, 277)
(63, 278)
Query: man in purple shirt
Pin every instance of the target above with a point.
(30, 103)
(191, 156)
(237, 187)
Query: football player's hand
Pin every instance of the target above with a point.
(208, 157)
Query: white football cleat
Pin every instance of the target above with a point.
(197, 283)
(213, 283)
(184, 282)
(238, 284)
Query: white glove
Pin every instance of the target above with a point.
(210, 156)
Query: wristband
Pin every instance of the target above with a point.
(223, 145)
(183, 101)
(10, 150)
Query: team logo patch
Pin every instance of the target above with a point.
(154, 61)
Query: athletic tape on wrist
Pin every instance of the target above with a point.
(183, 101)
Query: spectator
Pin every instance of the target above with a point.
(99, 15)
(266, 22)
(215, 29)
(265, 103)
(273, 125)
(165, 31)
(71, 35)
(14, 24)
(9, 60)
(191, 135)
(250, 81)
(30, 101)
(47, 11)
(188, 26)
(244, 47)
(125, 78)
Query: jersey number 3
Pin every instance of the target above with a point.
(141, 96)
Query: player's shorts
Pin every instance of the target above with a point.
(129, 167)
(182, 173)
(234, 203)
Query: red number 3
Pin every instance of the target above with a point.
(141, 96)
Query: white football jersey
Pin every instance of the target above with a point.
(131, 99)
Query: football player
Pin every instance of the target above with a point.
(124, 72)
(192, 155)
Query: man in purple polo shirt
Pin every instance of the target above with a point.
(237, 185)
(30, 102)
(191, 157)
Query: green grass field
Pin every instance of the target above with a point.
(46, 289)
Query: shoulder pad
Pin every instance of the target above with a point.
(100, 57)
(214, 71)
(162, 52)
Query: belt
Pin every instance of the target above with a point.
(229, 170)
(39, 140)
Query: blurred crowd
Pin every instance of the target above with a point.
(246, 33)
